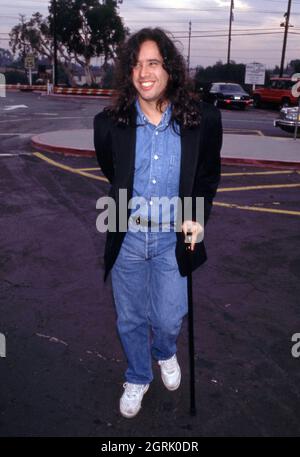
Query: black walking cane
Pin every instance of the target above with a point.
(189, 254)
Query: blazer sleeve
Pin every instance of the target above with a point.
(209, 167)
(103, 146)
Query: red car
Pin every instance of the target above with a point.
(279, 92)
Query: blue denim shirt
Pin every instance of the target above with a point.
(157, 168)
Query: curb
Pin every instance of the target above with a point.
(73, 91)
(259, 163)
(62, 90)
(44, 147)
(82, 96)
(25, 87)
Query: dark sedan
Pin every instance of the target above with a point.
(229, 94)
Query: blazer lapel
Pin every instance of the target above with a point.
(190, 139)
(125, 141)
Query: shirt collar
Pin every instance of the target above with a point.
(142, 119)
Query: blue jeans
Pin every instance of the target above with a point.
(151, 300)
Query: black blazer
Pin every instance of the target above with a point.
(199, 172)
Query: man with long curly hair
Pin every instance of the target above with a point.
(156, 141)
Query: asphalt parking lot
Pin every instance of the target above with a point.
(63, 370)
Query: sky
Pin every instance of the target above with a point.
(208, 18)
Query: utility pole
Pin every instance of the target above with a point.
(229, 33)
(189, 48)
(22, 18)
(54, 44)
(286, 26)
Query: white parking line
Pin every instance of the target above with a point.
(47, 114)
(15, 133)
(16, 155)
(13, 107)
(247, 131)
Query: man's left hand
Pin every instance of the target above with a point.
(195, 229)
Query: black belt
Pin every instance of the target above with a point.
(145, 222)
(148, 223)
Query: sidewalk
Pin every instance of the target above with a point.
(67, 142)
(260, 150)
(237, 149)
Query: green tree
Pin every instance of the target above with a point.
(34, 36)
(88, 29)
(107, 76)
(295, 64)
(15, 77)
(19, 38)
(6, 57)
(231, 72)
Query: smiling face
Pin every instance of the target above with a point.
(148, 75)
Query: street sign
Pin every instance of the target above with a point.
(255, 73)
(29, 64)
(29, 61)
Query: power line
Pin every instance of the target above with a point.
(237, 30)
(236, 34)
(280, 1)
(196, 21)
(207, 10)
(270, 31)
(260, 50)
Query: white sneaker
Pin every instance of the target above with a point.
(131, 400)
(170, 373)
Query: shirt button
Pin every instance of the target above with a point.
(154, 181)
(151, 203)
(156, 133)
(156, 157)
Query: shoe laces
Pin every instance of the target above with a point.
(133, 390)
(169, 365)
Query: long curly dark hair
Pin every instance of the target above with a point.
(185, 105)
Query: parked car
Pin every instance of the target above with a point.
(287, 119)
(229, 94)
(278, 92)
